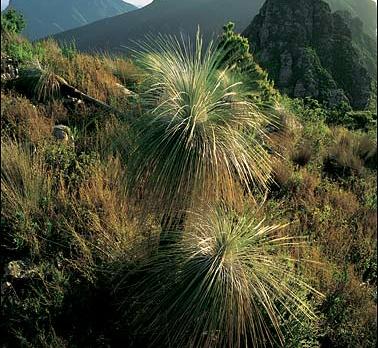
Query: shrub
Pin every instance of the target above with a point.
(359, 120)
(12, 21)
(350, 314)
(349, 154)
(21, 50)
(302, 155)
(238, 57)
(67, 166)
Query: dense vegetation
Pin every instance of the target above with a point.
(202, 209)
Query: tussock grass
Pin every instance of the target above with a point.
(22, 120)
(26, 187)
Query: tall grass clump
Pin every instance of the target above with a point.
(25, 188)
(199, 136)
(226, 283)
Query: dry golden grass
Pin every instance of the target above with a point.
(25, 186)
(23, 120)
(125, 70)
(349, 153)
(88, 73)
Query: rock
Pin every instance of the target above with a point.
(9, 68)
(286, 71)
(63, 133)
(125, 91)
(311, 52)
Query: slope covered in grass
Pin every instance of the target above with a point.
(101, 252)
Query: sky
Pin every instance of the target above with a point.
(139, 3)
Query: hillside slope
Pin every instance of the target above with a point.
(310, 51)
(48, 17)
(163, 16)
(172, 16)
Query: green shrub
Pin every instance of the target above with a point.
(238, 57)
(67, 166)
(349, 315)
(12, 21)
(25, 52)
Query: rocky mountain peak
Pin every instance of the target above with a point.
(309, 51)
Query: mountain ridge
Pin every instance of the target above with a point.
(54, 16)
(171, 17)
(164, 16)
(310, 52)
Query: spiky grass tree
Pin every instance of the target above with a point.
(199, 136)
(41, 82)
(226, 283)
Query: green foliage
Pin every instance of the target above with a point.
(67, 166)
(347, 324)
(12, 21)
(237, 48)
(363, 120)
(238, 57)
(69, 50)
(23, 51)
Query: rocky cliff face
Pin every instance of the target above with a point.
(309, 51)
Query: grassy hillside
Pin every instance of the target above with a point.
(189, 204)
(48, 17)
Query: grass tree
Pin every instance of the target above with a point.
(200, 137)
(228, 282)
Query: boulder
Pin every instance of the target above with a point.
(63, 134)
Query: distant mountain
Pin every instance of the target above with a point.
(48, 17)
(163, 16)
(175, 16)
(366, 10)
(310, 51)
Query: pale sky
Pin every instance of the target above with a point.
(139, 3)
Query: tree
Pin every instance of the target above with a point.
(12, 21)
(239, 58)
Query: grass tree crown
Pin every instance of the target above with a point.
(199, 136)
